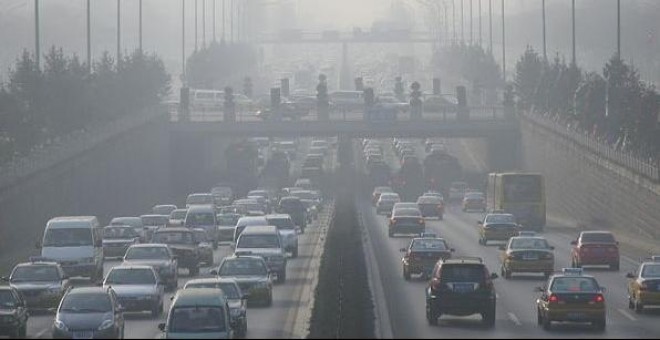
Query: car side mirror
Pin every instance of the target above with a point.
(551, 247)
(161, 326)
(452, 250)
(494, 276)
(502, 247)
(574, 243)
(403, 250)
(539, 289)
(480, 223)
(245, 296)
(603, 289)
(213, 272)
(630, 275)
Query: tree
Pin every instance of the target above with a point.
(529, 70)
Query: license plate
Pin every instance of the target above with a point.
(530, 257)
(83, 335)
(463, 287)
(575, 316)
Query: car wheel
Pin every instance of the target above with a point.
(631, 304)
(215, 244)
(294, 253)
(614, 266)
(281, 276)
(599, 325)
(547, 323)
(431, 314)
(506, 273)
(21, 332)
(539, 319)
(488, 318)
(639, 307)
(269, 301)
(406, 274)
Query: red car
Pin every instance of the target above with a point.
(595, 248)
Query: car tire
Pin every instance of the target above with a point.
(506, 273)
(539, 318)
(546, 323)
(281, 276)
(406, 274)
(21, 332)
(269, 301)
(488, 317)
(639, 307)
(599, 325)
(294, 253)
(431, 314)
(215, 245)
(615, 266)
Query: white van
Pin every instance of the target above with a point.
(76, 243)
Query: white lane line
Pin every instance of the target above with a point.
(41, 333)
(626, 314)
(514, 319)
(497, 296)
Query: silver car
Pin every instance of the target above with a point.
(235, 297)
(138, 288)
(288, 231)
(159, 257)
(117, 239)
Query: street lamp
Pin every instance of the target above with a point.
(37, 47)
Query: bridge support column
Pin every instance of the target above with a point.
(504, 152)
(345, 73)
(344, 151)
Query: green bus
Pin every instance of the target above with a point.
(520, 194)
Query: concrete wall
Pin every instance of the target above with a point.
(124, 176)
(581, 190)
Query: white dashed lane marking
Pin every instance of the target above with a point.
(626, 314)
(514, 319)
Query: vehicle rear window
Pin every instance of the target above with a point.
(429, 200)
(598, 238)
(651, 271)
(429, 244)
(35, 273)
(574, 284)
(200, 219)
(408, 212)
(500, 218)
(258, 241)
(462, 273)
(147, 253)
(197, 319)
(528, 243)
(86, 303)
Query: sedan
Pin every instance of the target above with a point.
(525, 254)
(138, 288)
(406, 221)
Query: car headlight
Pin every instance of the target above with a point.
(106, 324)
(61, 326)
(235, 312)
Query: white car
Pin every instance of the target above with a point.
(288, 231)
(138, 288)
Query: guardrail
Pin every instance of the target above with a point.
(647, 168)
(66, 147)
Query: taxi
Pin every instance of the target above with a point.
(422, 254)
(527, 254)
(644, 286)
(571, 296)
(497, 227)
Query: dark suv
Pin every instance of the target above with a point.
(184, 245)
(461, 286)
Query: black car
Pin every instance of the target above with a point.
(182, 242)
(422, 254)
(13, 313)
(461, 286)
(296, 209)
(89, 313)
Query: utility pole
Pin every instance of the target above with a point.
(140, 24)
(196, 24)
(545, 51)
(203, 23)
(89, 38)
(471, 26)
(462, 22)
(183, 40)
(504, 46)
(224, 27)
(213, 20)
(490, 26)
(618, 28)
(231, 19)
(118, 32)
(573, 17)
(453, 19)
(480, 41)
(37, 45)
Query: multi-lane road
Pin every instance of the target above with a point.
(400, 304)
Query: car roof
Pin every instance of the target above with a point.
(201, 208)
(200, 297)
(173, 229)
(132, 267)
(151, 245)
(37, 263)
(200, 194)
(154, 215)
(259, 229)
(164, 205)
(88, 290)
(464, 260)
(126, 218)
(595, 232)
(274, 216)
(212, 280)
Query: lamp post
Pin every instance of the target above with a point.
(183, 40)
(618, 28)
(118, 32)
(573, 34)
(503, 46)
(89, 38)
(140, 24)
(37, 46)
(545, 53)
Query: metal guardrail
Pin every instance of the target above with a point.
(647, 168)
(67, 147)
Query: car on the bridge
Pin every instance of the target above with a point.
(163, 209)
(160, 257)
(182, 242)
(204, 245)
(41, 284)
(203, 216)
(138, 288)
(527, 254)
(200, 199)
(177, 217)
(288, 231)
(457, 191)
(265, 241)
(154, 222)
(246, 221)
(88, 313)
(431, 206)
(117, 239)
(497, 227)
(236, 299)
(461, 286)
(571, 296)
(644, 285)
(252, 275)
(14, 313)
(198, 313)
(422, 254)
(227, 226)
(386, 201)
(474, 201)
(293, 206)
(135, 222)
(406, 221)
(595, 248)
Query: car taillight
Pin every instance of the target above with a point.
(421, 221)
(435, 283)
(612, 249)
(553, 298)
(643, 286)
(599, 298)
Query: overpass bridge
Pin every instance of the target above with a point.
(356, 37)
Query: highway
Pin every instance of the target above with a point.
(292, 302)
(402, 302)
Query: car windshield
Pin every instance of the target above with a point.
(462, 273)
(281, 223)
(197, 319)
(574, 285)
(598, 238)
(86, 303)
(155, 220)
(389, 197)
(429, 244)
(227, 220)
(147, 253)
(230, 290)
(429, 200)
(500, 218)
(132, 221)
(528, 243)
(7, 299)
(68, 237)
(651, 271)
(200, 219)
(200, 199)
(407, 212)
(110, 233)
(130, 276)
(35, 273)
(174, 237)
(238, 267)
(163, 209)
(258, 241)
(178, 214)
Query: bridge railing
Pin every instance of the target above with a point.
(645, 167)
